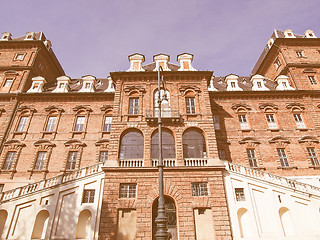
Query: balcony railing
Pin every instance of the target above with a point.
(195, 162)
(166, 162)
(131, 162)
(167, 115)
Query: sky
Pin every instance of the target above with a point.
(96, 36)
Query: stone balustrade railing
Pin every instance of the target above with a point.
(168, 162)
(195, 162)
(272, 178)
(51, 182)
(131, 162)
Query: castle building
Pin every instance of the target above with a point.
(79, 157)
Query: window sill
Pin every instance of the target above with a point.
(77, 132)
(315, 166)
(288, 168)
(38, 171)
(303, 129)
(274, 129)
(19, 133)
(8, 171)
(48, 132)
(247, 130)
(259, 168)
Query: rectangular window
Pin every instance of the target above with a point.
(243, 122)
(107, 124)
(222, 154)
(271, 121)
(252, 157)
(190, 105)
(8, 82)
(9, 160)
(313, 156)
(51, 123)
(61, 85)
(133, 105)
(87, 86)
(72, 160)
(312, 80)
(299, 54)
(278, 63)
(128, 190)
(199, 189)
(239, 192)
(299, 121)
(1, 187)
(103, 157)
(88, 196)
(22, 124)
(40, 160)
(283, 157)
(216, 122)
(19, 57)
(79, 124)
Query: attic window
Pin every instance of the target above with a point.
(87, 85)
(233, 84)
(284, 84)
(61, 85)
(289, 34)
(259, 84)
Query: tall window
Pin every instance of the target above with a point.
(239, 192)
(72, 160)
(199, 189)
(243, 121)
(22, 124)
(299, 120)
(128, 190)
(40, 160)
(312, 80)
(168, 145)
(252, 157)
(190, 105)
(299, 54)
(88, 196)
(134, 105)
(194, 145)
(283, 157)
(271, 121)
(8, 82)
(79, 124)
(313, 156)
(107, 124)
(216, 122)
(103, 157)
(9, 161)
(51, 123)
(132, 145)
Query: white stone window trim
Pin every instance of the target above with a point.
(232, 83)
(258, 83)
(283, 83)
(289, 34)
(37, 85)
(88, 84)
(62, 84)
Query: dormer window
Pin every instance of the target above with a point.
(62, 84)
(278, 63)
(312, 80)
(232, 83)
(136, 61)
(283, 83)
(37, 84)
(309, 34)
(161, 60)
(88, 84)
(6, 36)
(30, 36)
(258, 83)
(289, 34)
(185, 60)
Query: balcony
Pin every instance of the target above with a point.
(167, 116)
(166, 162)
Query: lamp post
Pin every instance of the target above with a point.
(161, 220)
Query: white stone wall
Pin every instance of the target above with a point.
(53, 213)
(270, 210)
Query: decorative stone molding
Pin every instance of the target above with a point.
(185, 88)
(308, 139)
(296, 107)
(279, 140)
(250, 140)
(241, 107)
(268, 107)
(131, 89)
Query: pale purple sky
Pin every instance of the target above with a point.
(96, 36)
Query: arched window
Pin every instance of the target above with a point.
(132, 145)
(168, 145)
(3, 218)
(286, 222)
(84, 225)
(40, 225)
(194, 145)
(165, 104)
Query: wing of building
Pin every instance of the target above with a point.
(79, 157)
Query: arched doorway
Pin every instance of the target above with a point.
(171, 214)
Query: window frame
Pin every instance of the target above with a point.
(8, 162)
(22, 125)
(312, 79)
(128, 190)
(107, 125)
(133, 105)
(72, 160)
(88, 198)
(271, 121)
(252, 157)
(103, 157)
(40, 161)
(313, 157)
(190, 105)
(19, 56)
(199, 189)
(243, 121)
(283, 157)
(299, 120)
